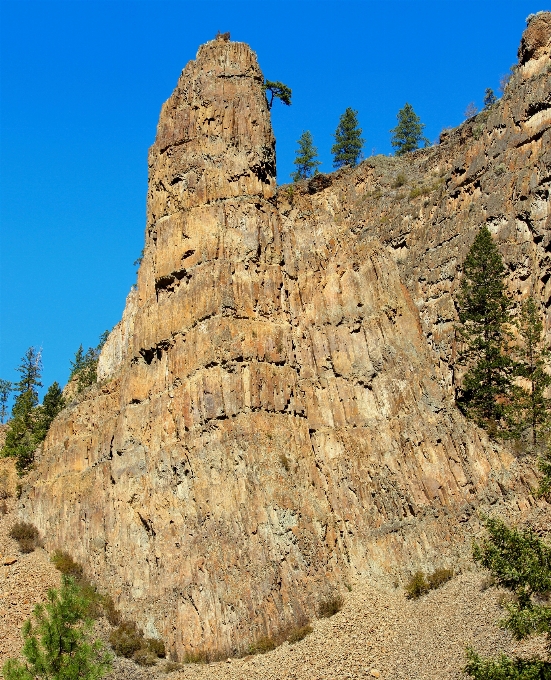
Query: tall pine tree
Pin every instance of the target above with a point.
(408, 134)
(306, 159)
(530, 406)
(348, 140)
(484, 318)
(5, 391)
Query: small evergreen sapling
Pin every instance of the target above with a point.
(348, 140)
(520, 562)
(483, 332)
(59, 646)
(306, 159)
(408, 134)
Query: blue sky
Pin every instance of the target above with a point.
(82, 83)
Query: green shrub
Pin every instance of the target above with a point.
(399, 181)
(112, 614)
(58, 644)
(330, 606)
(26, 535)
(439, 577)
(417, 586)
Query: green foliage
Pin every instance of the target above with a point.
(484, 316)
(306, 162)
(279, 91)
(85, 364)
(299, 633)
(520, 562)
(489, 98)
(5, 391)
(506, 668)
(530, 407)
(408, 134)
(399, 181)
(348, 140)
(30, 421)
(26, 535)
(58, 646)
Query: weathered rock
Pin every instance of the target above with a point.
(274, 411)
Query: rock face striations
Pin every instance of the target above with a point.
(273, 416)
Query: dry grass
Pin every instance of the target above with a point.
(26, 535)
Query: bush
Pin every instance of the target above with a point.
(299, 633)
(112, 614)
(126, 640)
(3, 508)
(129, 642)
(64, 563)
(420, 584)
(330, 606)
(172, 666)
(439, 577)
(199, 656)
(263, 645)
(26, 535)
(417, 586)
(399, 181)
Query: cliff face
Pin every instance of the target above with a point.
(273, 415)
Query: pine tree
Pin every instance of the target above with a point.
(30, 370)
(52, 404)
(279, 91)
(407, 135)
(520, 562)
(484, 317)
(348, 140)
(59, 646)
(21, 437)
(306, 160)
(530, 407)
(5, 391)
(78, 362)
(489, 98)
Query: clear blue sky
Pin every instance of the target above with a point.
(82, 83)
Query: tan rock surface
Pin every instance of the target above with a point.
(275, 415)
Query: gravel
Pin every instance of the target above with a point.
(378, 632)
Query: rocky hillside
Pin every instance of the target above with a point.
(274, 416)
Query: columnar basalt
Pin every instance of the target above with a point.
(273, 414)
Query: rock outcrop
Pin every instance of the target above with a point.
(275, 410)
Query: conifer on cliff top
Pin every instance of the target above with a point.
(306, 159)
(348, 140)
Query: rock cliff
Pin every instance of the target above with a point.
(274, 414)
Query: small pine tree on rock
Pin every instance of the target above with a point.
(408, 134)
(483, 331)
(58, 645)
(348, 140)
(306, 159)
